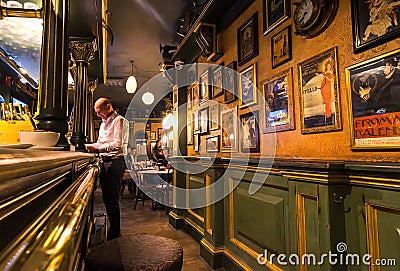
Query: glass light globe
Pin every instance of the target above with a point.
(131, 84)
(148, 98)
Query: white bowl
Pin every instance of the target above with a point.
(39, 138)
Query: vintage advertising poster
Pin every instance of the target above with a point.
(278, 103)
(319, 95)
(374, 93)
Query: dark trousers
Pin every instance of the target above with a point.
(110, 180)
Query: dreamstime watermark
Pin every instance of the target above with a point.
(202, 82)
(339, 258)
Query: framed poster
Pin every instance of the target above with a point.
(247, 36)
(148, 126)
(189, 129)
(204, 87)
(374, 102)
(281, 47)
(195, 94)
(214, 116)
(319, 93)
(217, 89)
(230, 82)
(191, 72)
(189, 99)
(160, 132)
(212, 144)
(203, 121)
(196, 142)
(274, 13)
(248, 86)
(153, 136)
(229, 130)
(374, 22)
(195, 118)
(278, 103)
(250, 132)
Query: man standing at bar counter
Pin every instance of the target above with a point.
(112, 144)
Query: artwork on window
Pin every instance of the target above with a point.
(319, 93)
(374, 98)
(250, 132)
(278, 102)
(247, 36)
(374, 22)
(229, 130)
(248, 86)
(230, 82)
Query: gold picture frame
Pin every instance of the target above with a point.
(248, 86)
(319, 93)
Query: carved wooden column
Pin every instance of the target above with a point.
(89, 112)
(82, 53)
(52, 105)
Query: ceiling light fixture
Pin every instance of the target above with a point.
(131, 83)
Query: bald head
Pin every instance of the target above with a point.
(103, 108)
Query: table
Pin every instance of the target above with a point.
(152, 183)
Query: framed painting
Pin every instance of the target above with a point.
(230, 82)
(153, 136)
(374, 22)
(192, 73)
(203, 121)
(189, 102)
(217, 89)
(189, 129)
(319, 93)
(247, 36)
(248, 86)
(373, 88)
(196, 142)
(214, 116)
(195, 118)
(148, 126)
(195, 94)
(204, 87)
(250, 132)
(278, 103)
(274, 13)
(281, 47)
(229, 130)
(212, 144)
(160, 132)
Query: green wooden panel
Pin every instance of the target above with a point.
(259, 219)
(389, 236)
(312, 229)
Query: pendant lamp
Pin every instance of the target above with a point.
(131, 84)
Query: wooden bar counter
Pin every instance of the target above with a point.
(46, 208)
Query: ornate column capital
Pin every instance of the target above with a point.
(81, 51)
(92, 86)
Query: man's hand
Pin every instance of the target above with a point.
(91, 148)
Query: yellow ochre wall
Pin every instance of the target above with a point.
(293, 144)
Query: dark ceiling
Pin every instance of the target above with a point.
(138, 27)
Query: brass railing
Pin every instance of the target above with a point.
(58, 238)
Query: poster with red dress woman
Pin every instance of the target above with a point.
(319, 95)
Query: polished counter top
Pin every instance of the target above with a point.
(15, 163)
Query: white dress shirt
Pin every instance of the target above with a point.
(113, 134)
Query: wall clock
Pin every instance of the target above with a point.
(312, 17)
